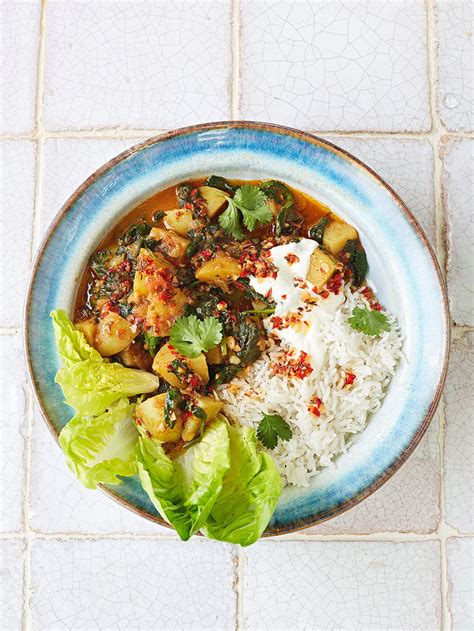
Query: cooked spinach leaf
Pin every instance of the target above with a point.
(357, 261)
(316, 232)
(216, 181)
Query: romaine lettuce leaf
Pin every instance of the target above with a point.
(101, 448)
(91, 386)
(70, 342)
(183, 490)
(250, 492)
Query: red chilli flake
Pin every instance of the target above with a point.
(350, 378)
(315, 406)
(292, 366)
(334, 284)
(291, 258)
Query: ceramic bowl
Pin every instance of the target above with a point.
(402, 267)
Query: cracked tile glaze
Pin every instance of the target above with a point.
(460, 555)
(342, 585)
(455, 49)
(459, 204)
(12, 432)
(331, 65)
(19, 37)
(143, 65)
(11, 584)
(16, 223)
(246, 150)
(130, 584)
(459, 442)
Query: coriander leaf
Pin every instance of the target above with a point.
(230, 221)
(369, 321)
(272, 427)
(251, 202)
(259, 215)
(191, 336)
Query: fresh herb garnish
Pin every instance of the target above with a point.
(249, 205)
(271, 428)
(316, 232)
(153, 343)
(369, 321)
(357, 261)
(191, 336)
(173, 400)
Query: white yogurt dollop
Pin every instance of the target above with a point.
(287, 290)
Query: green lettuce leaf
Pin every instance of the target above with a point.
(70, 342)
(184, 490)
(91, 386)
(100, 449)
(250, 492)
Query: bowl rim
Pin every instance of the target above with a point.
(299, 524)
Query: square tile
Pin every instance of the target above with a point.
(130, 584)
(459, 204)
(17, 163)
(406, 165)
(342, 585)
(332, 65)
(460, 556)
(455, 63)
(70, 161)
(19, 34)
(459, 443)
(139, 65)
(408, 502)
(60, 504)
(12, 430)
(11, 586)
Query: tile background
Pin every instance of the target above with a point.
(391, 81)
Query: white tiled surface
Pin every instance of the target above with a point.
(391, 82)
(459, 202)
(128, 584)
(332, 65)
(342, 585)
(136, 64)
(461, 587)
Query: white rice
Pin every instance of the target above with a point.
(316, 441)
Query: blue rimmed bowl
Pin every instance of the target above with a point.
(402, 267)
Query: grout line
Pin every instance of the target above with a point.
(235, 43)
(444, 530)
(27, 586)
(26, 623)
(122, 132)
(393, 537)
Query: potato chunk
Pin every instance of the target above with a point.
(162, 313)
(149, 274)
(167, 354)
(219, 270)
(88, 329)
(214, 355)
(215, 199)
(336, 235)
(193, 424)
(180, 220)
(151, 415)
(113, 334)
(321, 268)
(135, 356)
(171, 243)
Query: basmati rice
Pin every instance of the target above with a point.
(316, 441)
